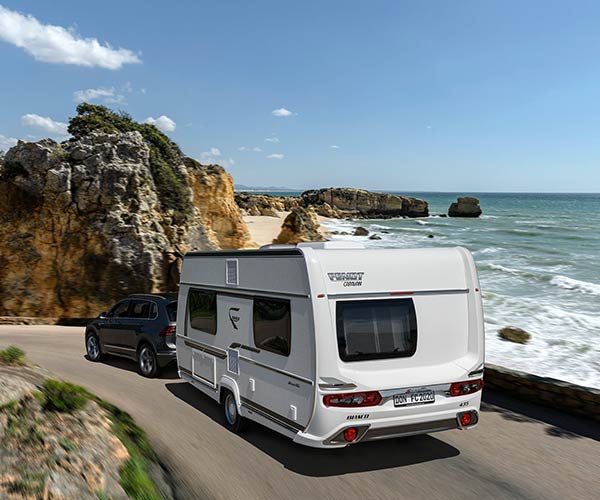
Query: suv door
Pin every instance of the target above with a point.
(111, 331)
(141, 313)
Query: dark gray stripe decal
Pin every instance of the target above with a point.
(203, 347)
(274, 417)
(276, 370)
(406, 295)
(246, 293)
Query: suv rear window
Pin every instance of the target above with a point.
(172, 310)
(376, 329)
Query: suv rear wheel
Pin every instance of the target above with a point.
(147, 362)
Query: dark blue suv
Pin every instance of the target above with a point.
(140, 327)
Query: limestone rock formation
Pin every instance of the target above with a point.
(264, 204)
(82, 223)
(301, 225)
(361, 231)
(514, 334)
(465, 206)
(350, 202)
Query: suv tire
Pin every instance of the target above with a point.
(147, 361)
(92, 347)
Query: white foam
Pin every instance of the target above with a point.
(422, 222)
(572, 284)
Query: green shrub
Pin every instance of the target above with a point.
(136, 482)
(12, 355)
(63, 396)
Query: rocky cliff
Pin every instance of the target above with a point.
(83, 223)
(361, 203)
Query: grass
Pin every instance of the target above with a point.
(63, 396)
(12, 355)
(30, 483)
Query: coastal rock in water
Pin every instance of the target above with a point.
(350, 202)
(514, 334)
(465, 206)
(361, 231)
(301, 225)
(374, 237)
(86, 222)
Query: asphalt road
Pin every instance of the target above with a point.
(532, 453)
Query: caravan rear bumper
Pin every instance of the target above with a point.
(373, 429)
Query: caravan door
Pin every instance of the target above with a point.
(279, 364)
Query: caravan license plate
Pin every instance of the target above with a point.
(414, 398)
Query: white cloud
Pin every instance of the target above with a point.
(7, 142)
(255, 149)
(44, 123)
(163, 123)
(231, 162)
(55, 44)
(211, 155)
(272, 139)
(276, 156)
(282, 112)
(334, 146)
(104, 94)
(215, 151)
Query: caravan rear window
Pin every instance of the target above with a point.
(272, 325)
(202, 307)
(376, 329)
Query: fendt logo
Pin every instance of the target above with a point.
(233, 317)
(348, 278)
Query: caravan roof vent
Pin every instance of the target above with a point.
(332, 245)
(231, 272)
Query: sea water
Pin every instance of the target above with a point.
(538, 259)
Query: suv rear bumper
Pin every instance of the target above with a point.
(166, 357)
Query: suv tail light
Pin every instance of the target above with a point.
(463, 388)
(353, 399)
(169, 330)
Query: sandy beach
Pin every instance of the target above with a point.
(264, 229)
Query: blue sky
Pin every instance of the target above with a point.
(435, 96)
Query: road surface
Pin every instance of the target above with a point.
(509, 455)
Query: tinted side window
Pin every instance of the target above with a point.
(376, 329)
(141, 309)
(172, 311)
(272, 325)
(120, 310)
(202, 310)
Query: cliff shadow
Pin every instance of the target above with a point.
(369, 456)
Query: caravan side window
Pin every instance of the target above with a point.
(376, 329)
(272, 325)
(202, 310)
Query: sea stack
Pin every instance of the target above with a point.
(465, 206)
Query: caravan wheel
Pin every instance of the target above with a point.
(233, 420)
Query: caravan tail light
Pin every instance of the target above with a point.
(169, 330)
(463, 388)
(352, 399)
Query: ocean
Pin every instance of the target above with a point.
(538, 258)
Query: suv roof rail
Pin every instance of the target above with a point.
(164, 296)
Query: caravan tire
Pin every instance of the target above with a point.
(233, 420)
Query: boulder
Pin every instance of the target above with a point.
(374, 237)
(465, 206)
(361, 231)
(514, 334)
(83, 223)
(301, 225)
(350, 202)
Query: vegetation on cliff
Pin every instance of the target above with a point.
(165, 155)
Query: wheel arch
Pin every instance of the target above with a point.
(227, 383)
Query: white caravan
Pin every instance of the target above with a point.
(331, 343)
